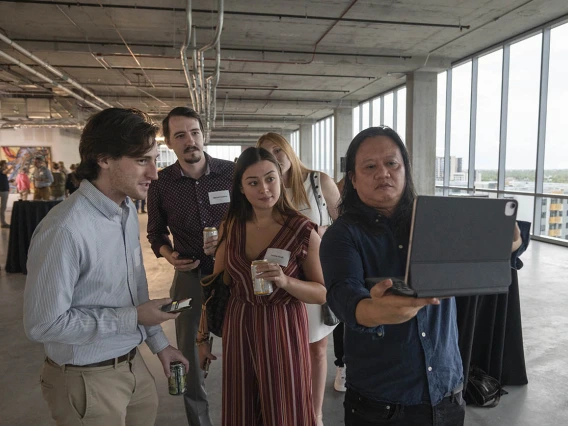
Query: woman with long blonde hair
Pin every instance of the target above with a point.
(315, 195)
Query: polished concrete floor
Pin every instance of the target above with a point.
(544, 301)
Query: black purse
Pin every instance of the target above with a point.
(482, 389)
(327, 315)
(216, 293)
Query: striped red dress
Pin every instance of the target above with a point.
(266, 363)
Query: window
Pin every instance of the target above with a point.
(365, 116)
(488, 117)
(166, 157)
(377, 112)
(556, 149)
(389, 110)
(224, 152)
(322, 144)
(459, 134)
(401, 113)
(441, 128)
(522, 119)
(295, 142)
(356, 123)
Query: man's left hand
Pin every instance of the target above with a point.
(170, 354)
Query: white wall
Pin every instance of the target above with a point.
(64, 144)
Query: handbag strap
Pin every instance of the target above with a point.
(316, 195)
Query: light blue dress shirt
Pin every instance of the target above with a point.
(85, 278)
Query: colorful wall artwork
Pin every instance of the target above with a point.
(22, 156)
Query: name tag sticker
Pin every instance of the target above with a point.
(282, 257)
(219, 197)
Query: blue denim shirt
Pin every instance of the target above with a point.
(411, 363)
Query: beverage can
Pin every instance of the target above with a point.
(209, 232)
(177, 381)
(261, 286)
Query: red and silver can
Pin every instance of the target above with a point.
(261, 286)
(177, 384)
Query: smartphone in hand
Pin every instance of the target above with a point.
(187, 257)
(177, 306)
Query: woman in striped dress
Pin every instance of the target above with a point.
(266, 361)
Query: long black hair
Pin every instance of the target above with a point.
(240, 209)
(351, 205)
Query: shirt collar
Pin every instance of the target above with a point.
(100, 201)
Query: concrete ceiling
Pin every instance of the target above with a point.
(284, 63)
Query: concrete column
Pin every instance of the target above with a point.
(306, 153)
(342, 135)
(421, 128)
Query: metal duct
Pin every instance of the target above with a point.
(48, 80)
(52, 69)
(202, 91)
(183, 55)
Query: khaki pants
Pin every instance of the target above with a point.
(120, 395)
(42, 193)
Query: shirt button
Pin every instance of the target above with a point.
(423, 334)
(400, 246)
(376, 220)
(429, 368)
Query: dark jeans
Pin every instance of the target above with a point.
(361, 411)
(338, 344)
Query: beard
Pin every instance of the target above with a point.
(195, 156)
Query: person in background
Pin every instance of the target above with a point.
(42, 179)
(72, 183)
(62, 168)
(140, 203)
(191, 194)
(86, 295)
(23, 183)
(315, 195)
(58, 186)
(338, 337)
(4, 192)
(266, 364)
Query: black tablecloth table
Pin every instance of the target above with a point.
(26, 215)
(491, 335)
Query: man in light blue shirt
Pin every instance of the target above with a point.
(86, 296)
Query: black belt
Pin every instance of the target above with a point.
(130, 355)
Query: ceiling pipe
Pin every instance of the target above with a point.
(183, 55)
(209, 85)
(48, 80)
(52, 69)
(305, 17)
(195, 73)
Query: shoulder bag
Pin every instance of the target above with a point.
(215, 295)
(327, 315)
